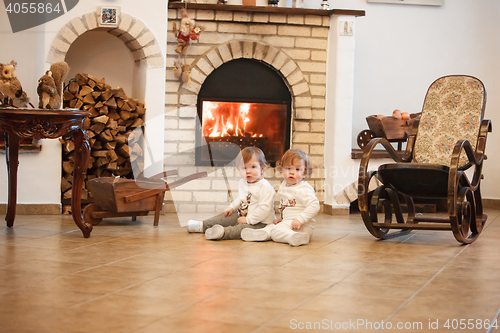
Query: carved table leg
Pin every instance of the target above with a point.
(82, 153)
(12, 158)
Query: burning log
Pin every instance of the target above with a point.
(113, 117)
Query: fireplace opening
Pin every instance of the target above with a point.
(243, 103)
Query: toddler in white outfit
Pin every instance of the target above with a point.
(298, 204)
(254, 206)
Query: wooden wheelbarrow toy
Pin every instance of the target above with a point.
(119, 197)
(391, 128)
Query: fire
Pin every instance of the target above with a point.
(222, 119)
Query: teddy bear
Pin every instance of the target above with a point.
(185, 33)
(182, 71)
(243, 207)
(11, 91)
(50, 86)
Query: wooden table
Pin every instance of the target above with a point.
(17, 123)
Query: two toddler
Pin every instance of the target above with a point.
(254, 206)
(298, 203)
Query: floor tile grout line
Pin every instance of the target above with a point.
(421, 288)
(491, 323)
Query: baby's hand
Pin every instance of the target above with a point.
(228, 211)
(277, 221)
(296, 224)
(242, 220)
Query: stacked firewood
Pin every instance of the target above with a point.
(113, 118)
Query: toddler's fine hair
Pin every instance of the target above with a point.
(291, 154)
(248, 152)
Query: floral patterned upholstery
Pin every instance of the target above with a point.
(453, 110)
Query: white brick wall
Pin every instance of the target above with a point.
(295, 45)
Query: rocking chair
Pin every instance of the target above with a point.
(449, 138)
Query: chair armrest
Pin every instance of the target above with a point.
(370, 147)
(365, 176)
(481, 141)
(456, 171)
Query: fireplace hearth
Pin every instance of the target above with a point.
(243, 103)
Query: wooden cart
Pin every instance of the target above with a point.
(117, 197)
(391, 128)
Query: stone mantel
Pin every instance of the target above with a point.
(268, 9)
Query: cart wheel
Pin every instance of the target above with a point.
(364, 137)
(87, 214)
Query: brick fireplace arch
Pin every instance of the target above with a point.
(294, 78)
(235, 49)
(139, 39)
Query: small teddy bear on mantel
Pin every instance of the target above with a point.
(11, 91)
(185, 34)
(50, 86)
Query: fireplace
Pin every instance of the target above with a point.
(295, 58)
(243, 103)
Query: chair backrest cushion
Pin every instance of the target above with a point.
(453, 110)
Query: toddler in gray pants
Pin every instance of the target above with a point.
(254, 206)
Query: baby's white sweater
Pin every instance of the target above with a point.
(261, 207)
(299, 202)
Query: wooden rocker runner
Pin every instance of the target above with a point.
(449, 138)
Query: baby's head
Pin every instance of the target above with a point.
(295, 166)
(247, 154)
(251, 163)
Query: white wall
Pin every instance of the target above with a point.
(401, 49)
(40, 173)
(38, 176)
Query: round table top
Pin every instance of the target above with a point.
(10, 111)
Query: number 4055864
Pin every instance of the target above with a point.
(463, 324)
(32, 8)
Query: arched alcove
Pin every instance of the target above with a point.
(102, 55)
(133, 54)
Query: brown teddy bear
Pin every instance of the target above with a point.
(11, 91)
(182, 71)
(185, 33)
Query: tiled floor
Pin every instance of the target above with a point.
(133, 277)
